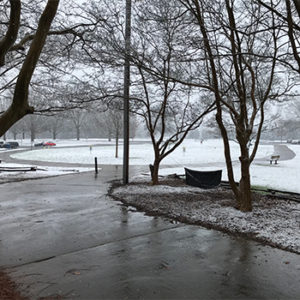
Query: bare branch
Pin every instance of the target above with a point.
(12, 32)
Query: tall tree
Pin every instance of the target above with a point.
(170, 110)
(158, 49)
(19, 106)
(240, 45)
(78, 118)
(34, 125)
(55, 124)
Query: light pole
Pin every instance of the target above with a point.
(126, 92)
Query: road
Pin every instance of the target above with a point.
(63, 236)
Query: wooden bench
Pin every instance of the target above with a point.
(274, 158)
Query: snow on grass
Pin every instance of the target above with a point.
(159, 189)
(272, 221)
(193, 154)
(283, 176)
(190, 152)
(40, 172)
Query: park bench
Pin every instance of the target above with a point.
(274, 158)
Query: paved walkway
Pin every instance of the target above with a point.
(64, 236)
(284, 151)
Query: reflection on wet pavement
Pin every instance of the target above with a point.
(64, 236)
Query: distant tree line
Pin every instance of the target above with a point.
(77, 124)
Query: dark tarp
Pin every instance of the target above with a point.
(203, 179)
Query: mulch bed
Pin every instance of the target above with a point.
(8, 289)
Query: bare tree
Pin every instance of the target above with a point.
(170, 109)
(110, 122)
(114, 119)
(103, 129)
(54, 124)
(134, 123)
(16, 129)
(34, 125)
(287, 13)
(77, 117)
(19, 106)
(55, 68)
(240, 45)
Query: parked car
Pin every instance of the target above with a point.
(49, 144)
(39, 144)
(295, 142)
(14, 144)
(10, 145)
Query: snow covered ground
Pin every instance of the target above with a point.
(273, 221)
(203, 156)
(190, 152)
(39, 173)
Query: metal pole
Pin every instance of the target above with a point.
(126, 92)
(96, 165)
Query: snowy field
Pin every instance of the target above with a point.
(190, 152)
(39, 173)
(193, 154)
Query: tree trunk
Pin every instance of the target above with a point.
(109, 134)
(54, 134)
(32, 135)
(245, 195)
(245, 189)
(117, 146)
(154, 171)
(230, 174)
(15, 135)
(77, 133)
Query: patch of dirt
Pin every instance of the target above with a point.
(8, 289)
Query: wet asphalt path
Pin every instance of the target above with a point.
(64, 236)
